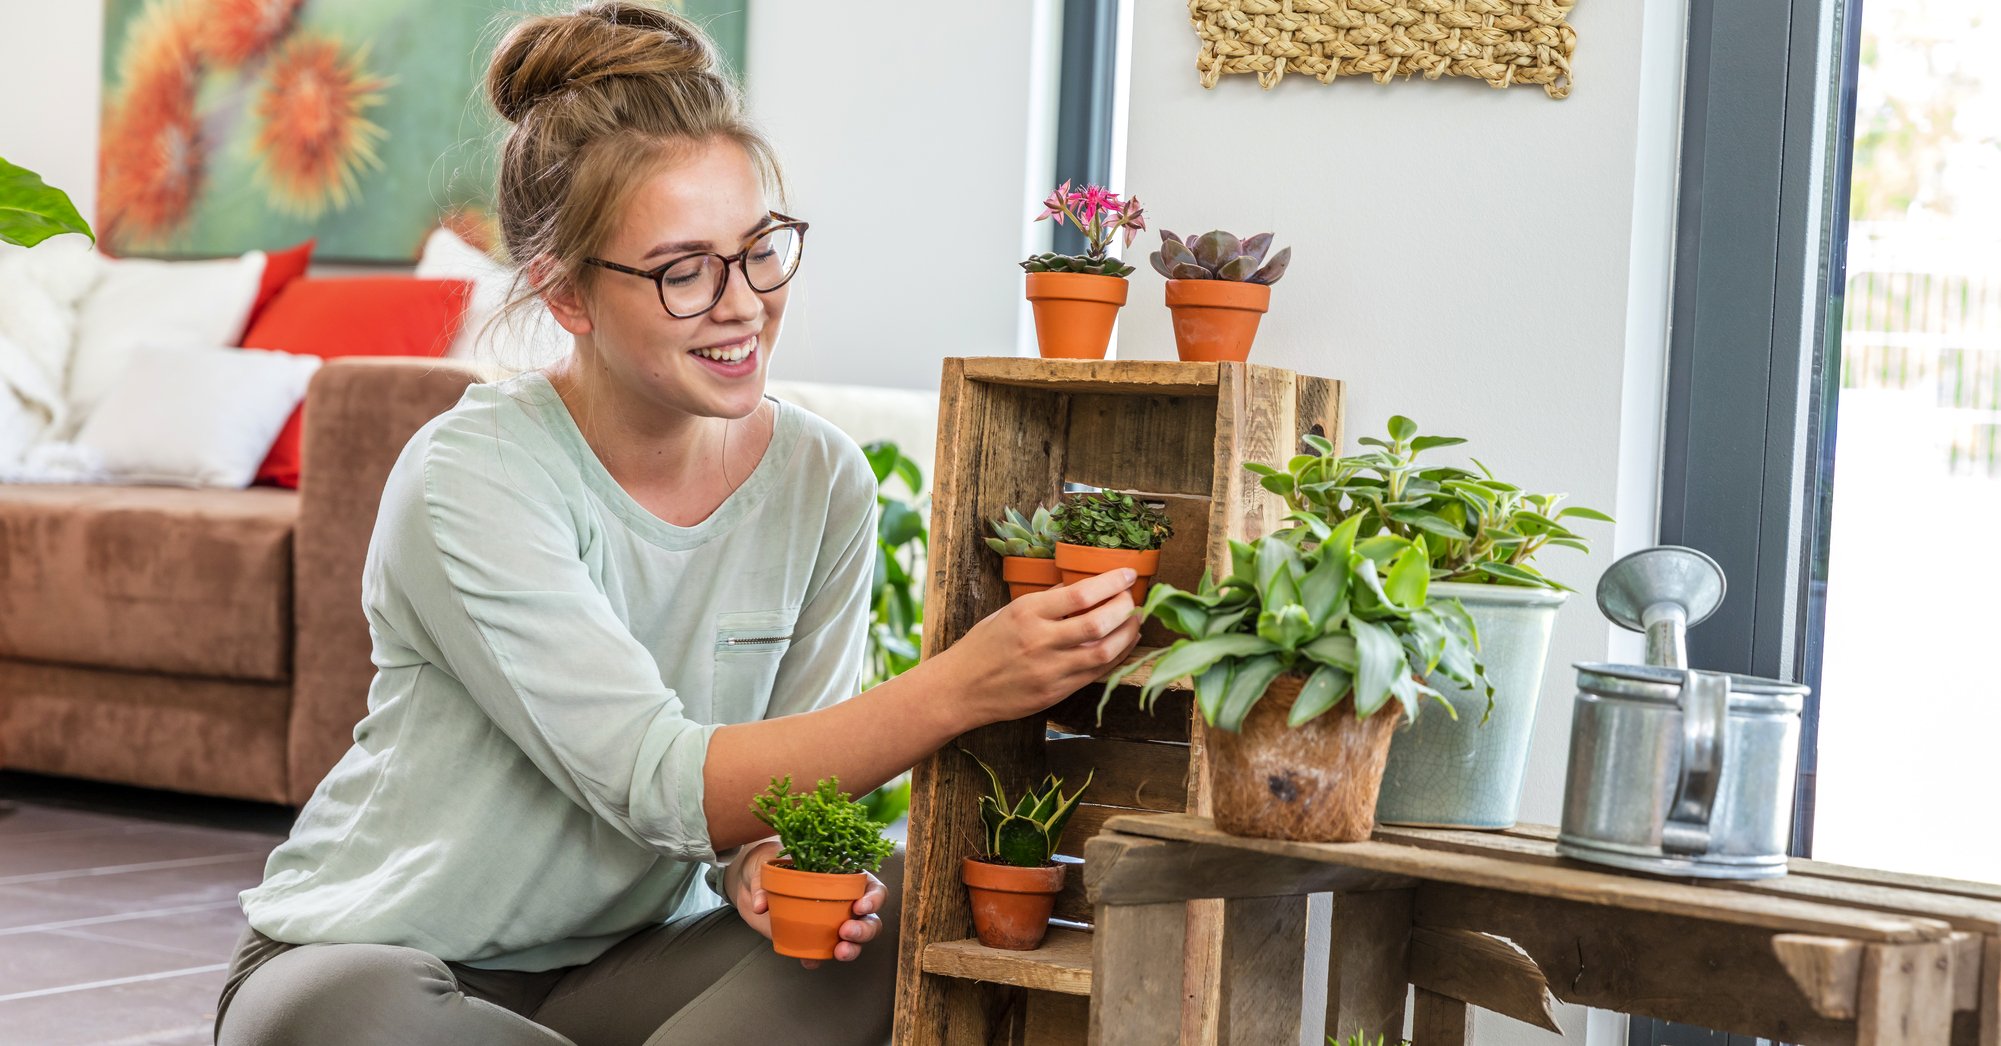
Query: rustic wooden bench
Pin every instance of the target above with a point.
(1826, 955)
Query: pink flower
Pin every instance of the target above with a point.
(1093, 199)
(1053, 207)
(1133, 220)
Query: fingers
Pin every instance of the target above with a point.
(1098, 622)
(1065, 600)
(872, 898)
(759, 903)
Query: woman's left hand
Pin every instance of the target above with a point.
(752, 904)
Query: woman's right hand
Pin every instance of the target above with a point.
(1045, 646)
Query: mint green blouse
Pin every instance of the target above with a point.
(551, 661)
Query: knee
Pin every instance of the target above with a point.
(334, 993)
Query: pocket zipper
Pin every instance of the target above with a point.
(752, 640)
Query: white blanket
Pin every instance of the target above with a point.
(40, 291)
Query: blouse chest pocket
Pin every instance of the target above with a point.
(749, 646)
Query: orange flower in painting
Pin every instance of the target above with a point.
(150, 158)
(235, 31)
(314, 136)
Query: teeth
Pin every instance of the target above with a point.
(729, 354)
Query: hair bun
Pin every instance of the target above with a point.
(544, 56)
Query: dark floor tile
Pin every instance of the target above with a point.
(29, 908)
(208, 935)
(34, 962)
(175, 1010)
(19, 820)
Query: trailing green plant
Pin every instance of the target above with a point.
(1032, 537)
(896, 597)
(1356, 616)
(822, 830)
(31, 210)
(1110, 519)
(1361, 1038)
(1027, 832)
(1218, 255)
(1100, 215)
(1476, 527)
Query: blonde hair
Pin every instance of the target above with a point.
(601, 99)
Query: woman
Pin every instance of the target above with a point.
(610, 601)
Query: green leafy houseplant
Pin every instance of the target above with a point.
(32, 211)
(1354, 615)
(1032, 537)
(1477, 528)
(822, 831)
(1027, 832)
(1361, 1038)
(896, 598)
(1110, 519)
(1219, 255)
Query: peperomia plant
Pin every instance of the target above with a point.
(1032, 537)
(1109, 519)
(1356, 616)
(822, 830)
(1027, 832)
(1218, 255)
(1476, 527)
(1099, 214)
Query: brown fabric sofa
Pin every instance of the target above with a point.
(207, 641)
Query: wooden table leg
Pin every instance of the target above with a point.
(1368, 968)
(1906, 996)
(1440, 1020)
(1136, 961)
(1264, 963)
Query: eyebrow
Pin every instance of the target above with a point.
(698, 246)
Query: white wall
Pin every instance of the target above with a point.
(1491, 263)
(49, 83)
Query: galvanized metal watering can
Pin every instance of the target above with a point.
(1675, 771)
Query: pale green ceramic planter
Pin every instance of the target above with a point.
(1460, 774)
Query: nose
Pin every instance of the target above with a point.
(740, 302)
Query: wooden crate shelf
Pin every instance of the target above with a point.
(1011, 433)
(1062, 964)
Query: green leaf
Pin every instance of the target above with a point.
(899, 524)
(1430, 523)
(1021, 842)
(1286, 627)
(1383, 549)
(1247, 685)
(1324, 590)
(1192, 657)
(910, 474)
(882, 456)
(1519, 575)
(1323, 690)
(1584, 513)
(1381, 661)
(1409, 577)
(1429, 442)
(1402, 428)
(32, 211)
(1211, 686)
(1337, 649)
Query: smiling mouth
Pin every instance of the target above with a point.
(734, 352)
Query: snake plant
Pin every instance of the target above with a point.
(1026, 833)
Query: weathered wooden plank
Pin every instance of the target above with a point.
(1153, 443)
(1062, 964)
(1782, 914)
(1828, 971)
(1087, 823)
(1135, 999)
(1145, 775)
(1121, 869)
(1265, 1002)
(1483, 969)
(1988, 1027)
(1368, 966)
(1135, 377)
(1123, 718)
(1440, 1020)
(1906, 995)
(1057, 1020)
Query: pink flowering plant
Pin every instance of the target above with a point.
(1100, 214)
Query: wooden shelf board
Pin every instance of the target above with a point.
(1062, 964)
(1140, 677)
(1127, 377)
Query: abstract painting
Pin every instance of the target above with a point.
(237, 124)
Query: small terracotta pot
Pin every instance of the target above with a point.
(1074, 313)
(1314, 783)
(1011, 905)
(1077, 562)
(1216, 320)
(1025, 574)
(808, 908)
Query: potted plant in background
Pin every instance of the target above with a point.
(1483, 536)
(1077, 297)
(1027, 549)
(1217, 288)
(1014, 883)
(32, 210)
(1304, 659)
(896, 599)
(828, 844)
(1107, 530)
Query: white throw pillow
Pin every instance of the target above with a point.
(195, 417)
(140, 302)
(528, 339)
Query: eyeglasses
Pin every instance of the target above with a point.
(692, 284)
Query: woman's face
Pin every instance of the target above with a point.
(712, 365)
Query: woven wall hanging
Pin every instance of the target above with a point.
(1503, 42)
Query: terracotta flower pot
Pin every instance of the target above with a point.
(808, 908)
(1077, 562)
(1011, 905)
(1313, 783)
(1074, 313)
(1216, 320)
(1025, 574)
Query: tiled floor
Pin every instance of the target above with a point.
(118, 910)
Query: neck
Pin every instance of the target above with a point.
(641, 443)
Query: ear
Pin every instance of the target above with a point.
(565, 302)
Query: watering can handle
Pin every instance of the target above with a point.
(1705, 706)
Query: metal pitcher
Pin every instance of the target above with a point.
(1675, 771)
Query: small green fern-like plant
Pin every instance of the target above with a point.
(822, 830)
(1110, 519)
(1361, 1038)
(1027, 832)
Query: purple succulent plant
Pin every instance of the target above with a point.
(1219, 256)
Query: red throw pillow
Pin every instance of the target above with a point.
(354, 316)
(280, 269)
